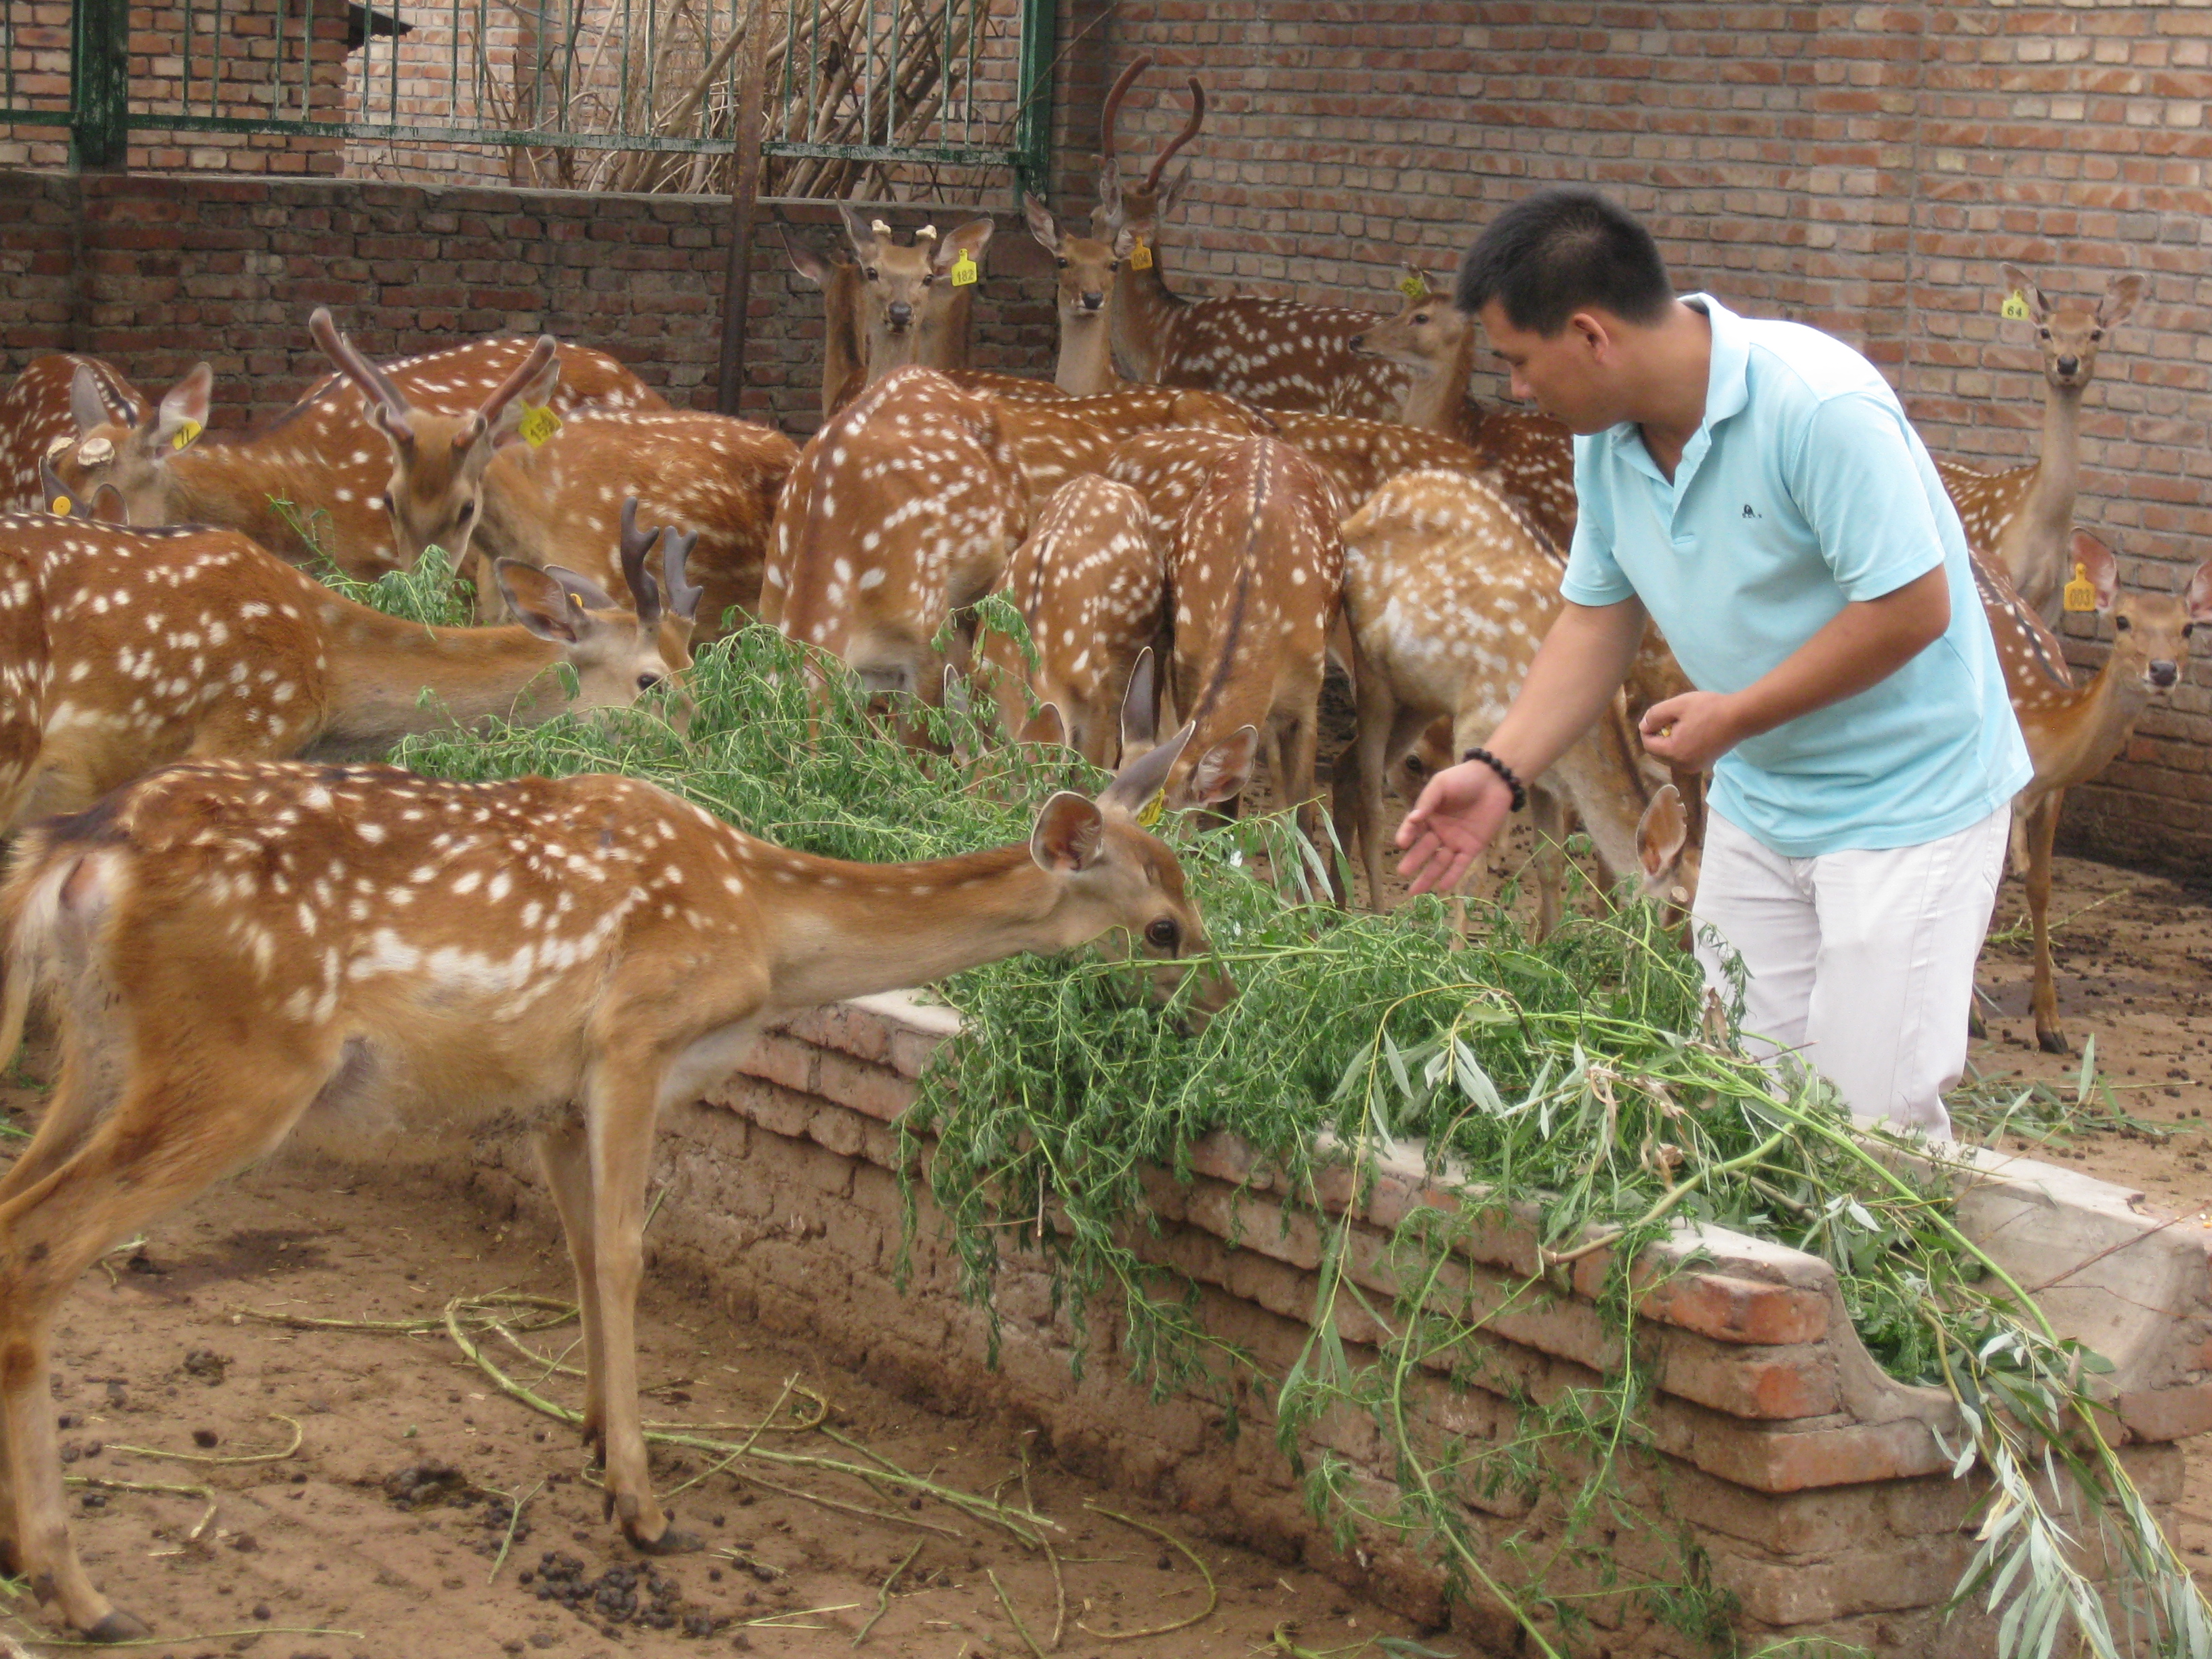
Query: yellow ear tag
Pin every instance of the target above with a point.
(2081, 592)
(59, 506)
(1140, 256)
(963, 271)
(186, 431)
(538, 423)
(2016, 306)
(1150, 815)
(1413, 286)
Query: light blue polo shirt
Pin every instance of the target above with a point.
(1805, 488)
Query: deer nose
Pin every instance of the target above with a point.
(2163, 674)
(901, 313)
(2069, 365)
(1092, 302)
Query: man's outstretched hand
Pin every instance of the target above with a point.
(1457, 816)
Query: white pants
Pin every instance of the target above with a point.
(1860, 964)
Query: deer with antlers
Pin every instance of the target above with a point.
(39, 418)
(179, 641)
(902, 511)
(237, 952)
(1256, 573)
(897, 304)
(1449, 592)
(1530, 456)
(2023, 517)
(2074, 731)
(471, 483)
(1273, 353)
(1091, 582)
(311, 482)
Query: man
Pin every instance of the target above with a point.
(1756, 488)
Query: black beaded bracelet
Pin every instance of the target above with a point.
(1506, 775)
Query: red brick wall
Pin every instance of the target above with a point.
(1861, 167)
(155, 273)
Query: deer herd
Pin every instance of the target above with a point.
(241, 931)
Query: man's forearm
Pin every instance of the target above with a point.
(1576, 672)
(1861, 646)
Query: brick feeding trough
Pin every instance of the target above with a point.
(1817, 1488)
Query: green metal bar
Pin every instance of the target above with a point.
(1033, 87)
(100, 84)
(891, 76)
(36, 118)
(187, 77)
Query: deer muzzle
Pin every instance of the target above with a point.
(2162, 674)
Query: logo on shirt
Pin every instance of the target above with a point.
(1750, 512)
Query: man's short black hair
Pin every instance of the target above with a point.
(1562, 250)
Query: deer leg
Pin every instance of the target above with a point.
(170, 1138)
(564, 1154)
(2042, 830)
(620, 1114)
(1547, 817)
(1296, 740)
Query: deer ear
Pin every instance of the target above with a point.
(2122, 295)
(1070, 834)
(184, 405)
(2096, 563)
(1041, 223)
(1048, 726)
(1141, 779)
(857, 232)
(87, 407)
(1171, 193)
(1662, 833)
(805, 260)
(1224, 771)
(540, 602)
(1124, 242)
(971, 239)
(1141, 717)
(2019, 282)
(1109, 185)
(2199, 598)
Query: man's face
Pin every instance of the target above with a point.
(1574, 376)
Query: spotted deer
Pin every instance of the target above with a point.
(311, 481)
(1085, 273)
(179, 641)
(902, 511)
(901, 303)
(1531, 457)
(1256, 573)
(239, 951)
(1091, 582)
(2023, 517)
(473, 482)
(1273, 353)
(2072, 730)
(1449, 592)
(1054, 441)
(39, 418)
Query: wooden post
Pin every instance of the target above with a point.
(744, 200)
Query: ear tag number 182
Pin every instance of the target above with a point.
(963, 271)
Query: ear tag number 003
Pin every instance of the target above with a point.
(963, 271)
(2014, 306)
(186, 431)
(1140, 256)
(2081, 592)
(1148, 816)
(538, 423)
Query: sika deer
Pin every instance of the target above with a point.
(239, 950)
(183, 642)
(2023, 517)
(1449, 594)
(1257, 569)
(1530, 456)
(322, 459)
(1091, 583)
(40, 415)
(2073, 732)
(902, 511)
(1086, 271)
(474, 484)
(1054, 441)
(1269, 352)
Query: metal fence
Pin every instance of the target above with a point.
(592, 93)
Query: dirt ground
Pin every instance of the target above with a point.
(336, 1551)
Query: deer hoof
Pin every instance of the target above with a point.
(673, 1540)
(118, 1627)
(2053, 1042)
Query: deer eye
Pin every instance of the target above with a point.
(1421, 317)
(1163, 933)
(2121, 624)
(1062, 264)
(468, 511)
(2096, 333)
(869, 273)
(929, 279)
(2042, 334)
(647, 681)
